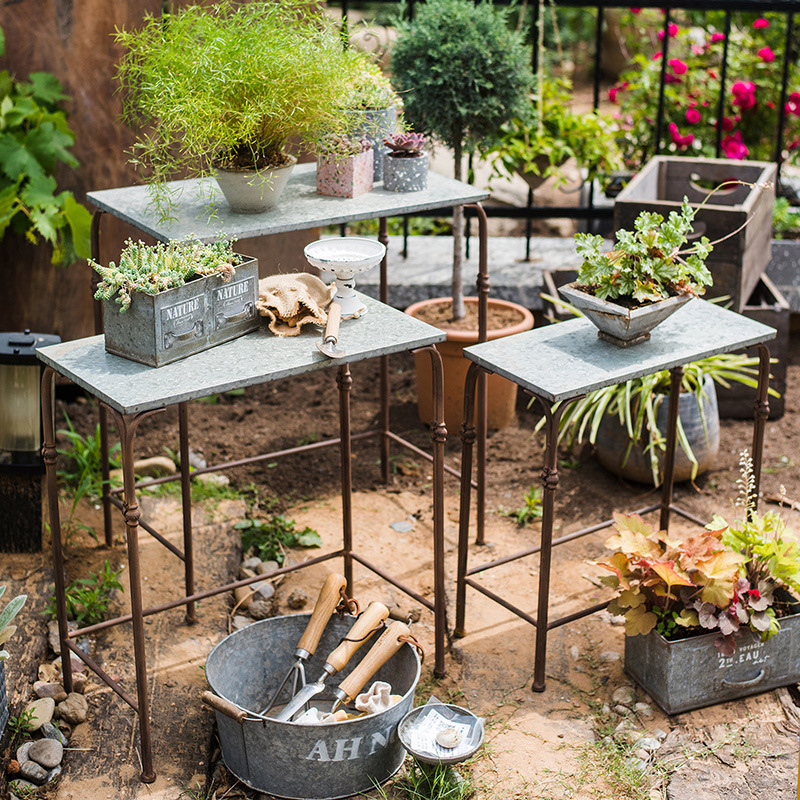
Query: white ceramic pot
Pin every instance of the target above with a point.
(251, 191)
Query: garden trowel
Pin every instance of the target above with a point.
(330, 338)
(366, 624)
(325, 606)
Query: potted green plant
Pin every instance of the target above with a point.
(645, 278)
(344, 165)
(709, 616)
(6, 632)
(535, 144)
(405, 167)
(164, 302)
(221, 89)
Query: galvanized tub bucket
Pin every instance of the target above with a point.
(309, 762)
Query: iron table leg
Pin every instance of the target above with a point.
(344, 381)
(186, 507)
(676, 376)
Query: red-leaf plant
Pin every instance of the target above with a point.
(405, 145)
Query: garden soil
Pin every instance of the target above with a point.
(537, 745)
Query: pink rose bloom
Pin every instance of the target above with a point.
(717, 37)
(734, 147)
(693, 116)
(765, 54)
(794, 145)
(761, 23)
(670, 78)
(636, 11)
(744, 94)
(678, 66)
(672, 31)
(727, 124)
(657, 55)
(680, 141)
(793, 104)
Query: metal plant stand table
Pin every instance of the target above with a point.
(564, 362)
(130, 391)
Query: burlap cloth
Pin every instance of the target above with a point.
(291, 301)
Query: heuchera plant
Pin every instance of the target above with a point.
(406, 145)
(723, 578)
(694, 60)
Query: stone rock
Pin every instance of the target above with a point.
(154, 467)
(39, 712)
(213, 479)
(54, 773)
(606, 709)
(627, 732)
(621, 710)
(648, 743)
(54, 690)
(242, 597)
(79, 682)
(47, 753)
(264, 590)
(51, 731)
(624, 695)
(574, 652)
(659, 734)
(76, 663)
(22, 752)
(22, 787)
(74, 709)
(644, 710)
(31, 771)
(52, 634)
(85, 645)
(254, 563)
(13, 767)
(261, 609)
(297, 599)
(246, 572)
(268, 566)
(196, 460)
(610, 656)
(240, 621)
(50, 673)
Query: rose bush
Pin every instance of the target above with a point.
(694, 60)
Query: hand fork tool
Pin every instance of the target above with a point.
(330, 338)
(326, 604)
(366, 624)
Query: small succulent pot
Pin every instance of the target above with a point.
(348, 176)
(404, 173)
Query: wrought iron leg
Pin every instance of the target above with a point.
(50, 456)
(186, 504)
(549, 485)
(127, 426)
(383, 238)
(676, 376)
(467, 442)
(761, 412)
(344, 381)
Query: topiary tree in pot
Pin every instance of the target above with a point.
(462, 72)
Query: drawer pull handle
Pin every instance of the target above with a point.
(744, 684)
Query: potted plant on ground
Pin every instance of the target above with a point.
(176, 299)
(462, 72)
(221, 89)
(344, 165)
(709, 616)
(405, 167)
(6, 632)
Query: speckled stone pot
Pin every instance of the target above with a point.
(405, 174)
(348, 177)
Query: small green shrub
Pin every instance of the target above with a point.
(88, 598)
(269, 539)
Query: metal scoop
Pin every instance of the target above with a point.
(326, 604)
(366, 624)
(331, 336)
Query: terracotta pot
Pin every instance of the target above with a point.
(502, 394)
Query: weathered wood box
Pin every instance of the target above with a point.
(166, 327)
(766, 304)
(736, 263)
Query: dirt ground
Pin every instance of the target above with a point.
(538, 745)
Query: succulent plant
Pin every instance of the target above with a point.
(406, 145)
(337, 146)
(9, 612)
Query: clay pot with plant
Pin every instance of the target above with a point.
(221, 89)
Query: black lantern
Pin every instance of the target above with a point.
(21, 466)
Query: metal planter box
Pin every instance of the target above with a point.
(162, 328)
(685, 674)
(736, 263)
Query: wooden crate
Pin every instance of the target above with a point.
(767, 305)
(736, 263)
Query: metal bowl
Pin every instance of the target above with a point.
(458, 753)
(349, 254)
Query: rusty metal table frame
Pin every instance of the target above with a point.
(564, 362)
(116, 383)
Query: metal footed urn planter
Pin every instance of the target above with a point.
(404, 173)
(685, 674)
(617, 324)
(165, 327)
(250, 192)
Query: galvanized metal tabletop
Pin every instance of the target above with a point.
(300, 206)
(567, 360)
(259, 357)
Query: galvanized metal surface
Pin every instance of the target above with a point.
(304, 761)
(689, 673)
(166, 327)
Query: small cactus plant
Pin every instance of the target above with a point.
(153, 269)
(406, 145)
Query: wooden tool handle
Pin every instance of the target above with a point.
(388, 644)
(326, 603)
(334, 319)
(224, 706)
(361, 631)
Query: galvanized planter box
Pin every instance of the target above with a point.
(162, 328)
(737, 263)
(685, 674)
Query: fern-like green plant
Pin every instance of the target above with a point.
(151, 269)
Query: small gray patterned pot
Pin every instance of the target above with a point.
(405, 174)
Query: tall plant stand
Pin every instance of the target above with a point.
(564, 362)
